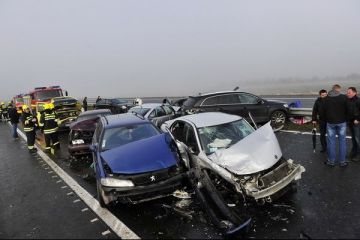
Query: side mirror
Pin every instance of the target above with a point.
(93, 147)
(260, 101)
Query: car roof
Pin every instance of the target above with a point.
(95, 112)
(217, 93)
(209, 118)
(123, 119)
(150, 105)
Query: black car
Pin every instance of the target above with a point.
(116, 105)
(240, 103)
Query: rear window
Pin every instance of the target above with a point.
(90, 116)
(141, 111)
(119, 136)
(190, 102)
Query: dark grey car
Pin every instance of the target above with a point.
(240, 103)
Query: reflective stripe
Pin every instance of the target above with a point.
(28, 129)
(31, 147)
(49, 131)
(56, 143)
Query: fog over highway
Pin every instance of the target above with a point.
(178, 48)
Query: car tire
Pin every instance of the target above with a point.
(278, 120)
(99, 197)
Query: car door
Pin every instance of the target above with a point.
(185, 133)
(253, 104)
(227, 103)
(158, 116)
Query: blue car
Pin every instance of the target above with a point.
(134, 161)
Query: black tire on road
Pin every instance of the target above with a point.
(278, 120)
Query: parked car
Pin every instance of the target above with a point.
(240, 103)
(134, 161)
(116, 105)
(232, 162)
(156, 112)
(81, 134)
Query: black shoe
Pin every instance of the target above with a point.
(329, 164)
(344, 164)
(323, 151)
(355, 159)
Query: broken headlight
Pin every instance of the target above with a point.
(113, 182)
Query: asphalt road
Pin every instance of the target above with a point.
(33, 205)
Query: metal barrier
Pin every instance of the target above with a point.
(301, 112)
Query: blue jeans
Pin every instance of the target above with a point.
(14, 127)
(332, 130)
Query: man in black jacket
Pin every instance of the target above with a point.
(14, 119)
(352, 119)
(336, 113)
(319, 118)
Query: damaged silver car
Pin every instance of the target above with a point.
(228, 156)
(229, 146)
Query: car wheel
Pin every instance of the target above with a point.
(99, 196)
(278, 119)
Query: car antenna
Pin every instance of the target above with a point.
(236, 88)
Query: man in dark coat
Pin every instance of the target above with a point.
(353, 122)
(85, 105)
(319, 118)
(14, 119)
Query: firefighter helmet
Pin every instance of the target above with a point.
(48, 106)
(24, 107)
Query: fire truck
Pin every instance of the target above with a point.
(67, 108)
(18, 100)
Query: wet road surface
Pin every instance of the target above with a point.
(326, 204)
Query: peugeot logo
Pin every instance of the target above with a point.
(152, 178)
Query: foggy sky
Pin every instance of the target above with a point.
(129, 48)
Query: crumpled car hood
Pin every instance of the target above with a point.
(256, 152)
(146, 155)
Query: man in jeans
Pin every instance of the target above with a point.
(335, 112)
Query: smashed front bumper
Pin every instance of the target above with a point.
(138, 194)
(275, 181)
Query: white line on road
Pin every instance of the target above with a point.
(85, 209)
(64, 187)
(59, 181)
(119, 228)
(94, 220)
(50, 171)
(306, 133)
(55, 176)
(70, 193)
(105, 233)
(77, 200)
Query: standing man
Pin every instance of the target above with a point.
(14, 119)
(29, 122)
(335, 112)
(98, 99)
(49, 121)
(353, 122)
(318, 117)
(1, 111)
(85, 106)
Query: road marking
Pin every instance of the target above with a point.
(55, 176)
(50, 171)
(70, 193)
(85, 209)
(118, 227)
(59, 181)
(94, 220)
(64, 187)
(107, 232)
(77, 200)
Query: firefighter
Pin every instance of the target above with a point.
(4, 113)
(49, 123)
(29, 122)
